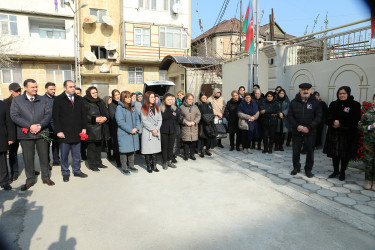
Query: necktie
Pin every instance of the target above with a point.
(71, 100)
(31, 99)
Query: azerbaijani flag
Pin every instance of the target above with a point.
(248, 28)
(372, 25)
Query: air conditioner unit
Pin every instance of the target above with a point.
(112, 54)
(176, 9)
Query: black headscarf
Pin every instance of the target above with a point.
(89, 97)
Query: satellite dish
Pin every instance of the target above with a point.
(105, 67)
(176, 8)
(91, 57)
(108, 20)
(90, 19)
(111, 46)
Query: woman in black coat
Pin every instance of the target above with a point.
(7, 137)
(342, 138)
(270, 113)
(259, 100)
(97, 128)
(207, 128)
(231, 114)
(319, 129)
(113, 126)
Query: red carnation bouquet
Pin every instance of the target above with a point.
(49, 140)
(365, 106)
(83, 136)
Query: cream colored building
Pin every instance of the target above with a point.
(42, 48)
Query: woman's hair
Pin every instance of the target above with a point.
(188, 95)
(133, 94)
(123, 95)
(181, 92)
(115, 91)
(278, 87)
(271, 93)
(201, 94)
(241, 87)
(373, 97)
(146, 103)
(106, 99)
(162, 106)
(316, 92)
(233, 92)
(282, 90)
(88, 91)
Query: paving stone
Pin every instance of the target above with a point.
(340, 190)
(273, 171)
(368, 193)
(311, 186)
(297, 181)
(353, 187)
(335, 181)
(323, 183)
(359, 197)
(365, 209)
(285, 176)
(327, 193)
(371, 203)
(345, 200)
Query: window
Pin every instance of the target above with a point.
(162, 75)
(147, 4)
(58, 73)
(142, 36)
(12, 74)
(8, 25)
(173, 38)
(165, 5)
(99, 14)
(52, 32)
(99, 51)
(47, 28)
(135, 75)
(140, 3)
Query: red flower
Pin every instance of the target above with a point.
(83, 136)
(366, 107)
(362, 156)
(370, 104)
(364, 102)
(361, 148)
(25, 130)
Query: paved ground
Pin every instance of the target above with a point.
(213, 203)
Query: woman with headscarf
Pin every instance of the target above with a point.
(177, 143)
(342, 138)
(270, 113)
(180, 98)
(151, 122)
(113, 126)
(319, 129)
(138, 104)
(259, 100)
(206, 126)
(282, 123)
(231, 115)
(127, 129)
(367, 126)
(218, 104)
(189, 129)
(248, 114)
(97, 128)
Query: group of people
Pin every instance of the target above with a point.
(126, 123)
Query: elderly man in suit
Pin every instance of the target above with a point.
(32, 115)
(69, 118)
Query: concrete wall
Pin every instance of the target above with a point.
(37, 7)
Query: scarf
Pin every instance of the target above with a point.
(250, 109)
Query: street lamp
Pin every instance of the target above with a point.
(67, 3)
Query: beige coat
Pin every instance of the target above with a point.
(190, 114)
(217, 104)
(242, 124)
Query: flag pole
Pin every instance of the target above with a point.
(257, 44)
(251, 57)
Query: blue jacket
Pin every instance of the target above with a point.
(126, 122)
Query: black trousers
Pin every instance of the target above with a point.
(245, 139)
(28, 152)
(83, 150)
(336, 164)
(4, 174)
(13, 159)
(116, 152)
(268, 136)
(55, 147)
(319, 131)
(167, 144)
(189, 147)
(94, 154)
(289, 138)
(309, 142)
(238, 140)
(280, 138)
(205, 143)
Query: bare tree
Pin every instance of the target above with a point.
(6, 44)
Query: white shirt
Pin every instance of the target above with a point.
(69, 96)
(29, 97)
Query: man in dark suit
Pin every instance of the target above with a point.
(32, 114)
(15, 90)
(69, 115)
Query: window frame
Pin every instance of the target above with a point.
(53, 28)
(9, 21)
(59, 68)
(182, 34)
(164, 74)
(142, 34)
(97, 14)
(97, 54)
(16, 66)
(135, 74)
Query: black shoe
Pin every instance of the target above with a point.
(281, 148)
(82, 175)
(65, 178)
(15, 176)
(171, 165)
(295, 171)
(309, 174)
(185, 158)
(270, 151)
(165, 165)
(342, 176)
(287, 144)
(174, 160)
(155, 169)
(84, 158)
(238, 149)
(149, 169)
(95, 169)
(7, 187)
(277, 148)
(333, 175)
(55, 163)
(264, 151)
(201, 154)
(193, 158)
(133, 169)
(126, 171)
(208, 153)
(37, 173)
(220, 145)
(231, 148)
(118, 165)
(102, 166)
(110, 158)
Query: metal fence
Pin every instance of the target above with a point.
(356, 42)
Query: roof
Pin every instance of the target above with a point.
(234, 26)
(188, 61)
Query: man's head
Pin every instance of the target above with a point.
(305, 90)
(14, 89)
(257, 93)
(31, 87)
(69, 87)
(78, 91)
(50, 88)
